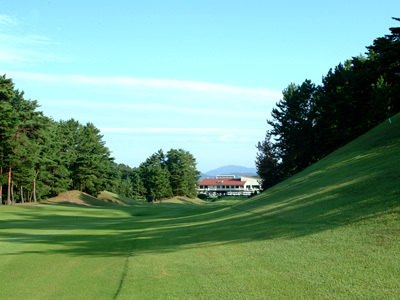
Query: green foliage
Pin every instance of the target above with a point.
(92, 168)
(165, 176)
(155, 177)
(267, 162)
(331, 231)
(184, 176)
(312, 121)
(40, 157)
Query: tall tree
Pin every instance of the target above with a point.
(18, 129)
(183, 173)
(52, 173)
(384, 56)
(92, 169)
(310, 122)
(138, 188)
(267, 162)
(156, 178)
(8, 123)
(292, 127)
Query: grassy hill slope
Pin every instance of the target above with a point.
(331, 231)
(358, 182)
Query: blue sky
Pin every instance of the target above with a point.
(198, 75)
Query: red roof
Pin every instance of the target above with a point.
(222, 181)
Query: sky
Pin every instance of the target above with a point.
(202, 76)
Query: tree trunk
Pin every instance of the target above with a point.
(22, 195)
(34, 187)
(9, 187)
(12, 193)
(34, 190)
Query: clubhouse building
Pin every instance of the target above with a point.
(229, 185)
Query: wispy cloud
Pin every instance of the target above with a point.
(151, 83)
(20, 46)
(6, 20)
(229, 132)
(153, 107)
(120, 105)
(200, 135)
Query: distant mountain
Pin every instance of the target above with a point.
(203, 176)
(232, 170)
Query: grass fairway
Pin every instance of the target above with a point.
(332, 231)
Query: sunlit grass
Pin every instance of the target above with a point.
(332, 231)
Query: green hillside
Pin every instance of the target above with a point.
(331, 231)
(358, 182)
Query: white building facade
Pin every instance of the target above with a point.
(229, 185)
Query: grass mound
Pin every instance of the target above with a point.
(330, 232)
(183, 200)
(79, 198)
(117, 199)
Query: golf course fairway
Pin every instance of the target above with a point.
(329, 232)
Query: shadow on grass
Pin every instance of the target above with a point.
(112, 231)
(352, 186)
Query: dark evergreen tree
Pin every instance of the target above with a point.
(292, 128)
(53, 174)
(18, 129)
(92, 168)
(155, 177)
(384, 58)
(8, 123)
(309, 122)
(138, 188)
(184, 176)
(267, 163)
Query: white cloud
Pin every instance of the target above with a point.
(227, 138)
(130, 83)
(6, 20)
(18, 48)
(193, 139)
(11, 55)
(154, 107)
(229, 132)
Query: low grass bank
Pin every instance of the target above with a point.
(332, 231)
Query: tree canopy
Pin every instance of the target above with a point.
(40, 157)
(311, 121)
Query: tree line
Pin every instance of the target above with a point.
(160, 176)
(311, 121)
(40, 158)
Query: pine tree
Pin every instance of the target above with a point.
(183, 173)
(156, 178)
(53, 175)
(92, 168)
(19, 128)
(267, 163)
(293, 128)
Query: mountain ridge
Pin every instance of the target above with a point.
(231, 170)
